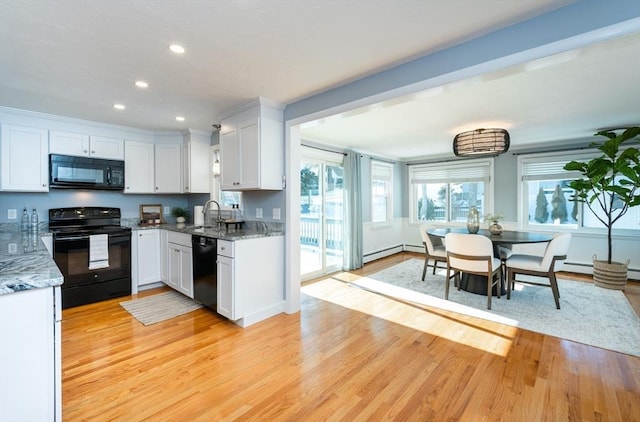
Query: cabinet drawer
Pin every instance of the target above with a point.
(183, 239)
(225, 248)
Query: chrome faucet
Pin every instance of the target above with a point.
(206, 208)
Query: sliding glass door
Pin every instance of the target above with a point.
(321, 215)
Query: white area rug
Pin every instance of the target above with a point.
(589, 314)
(161, 307)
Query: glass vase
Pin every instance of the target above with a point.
(473, 220)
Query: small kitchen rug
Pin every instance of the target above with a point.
(161, 307)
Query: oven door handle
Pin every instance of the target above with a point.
(69, 238)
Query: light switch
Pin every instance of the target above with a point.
(276, 213)
(12, 214)
(258, 212)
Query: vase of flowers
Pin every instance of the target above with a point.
(494, 220)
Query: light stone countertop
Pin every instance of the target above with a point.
(25, 263)
(252, 231)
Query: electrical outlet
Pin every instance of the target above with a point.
(12, 214)
(276, 213)
(167, 210)
(258, 212)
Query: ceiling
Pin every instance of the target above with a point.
(78, 58)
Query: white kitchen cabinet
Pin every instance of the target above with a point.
(197, 165)
(252, 147)
(145, 259)
(180, 268)
(164, 257)
(139, 167)
(168, 168)
(24, 158)
(76, 144)
(250, 276)
(66, 143)
(152, 168)
(30, 374)
(226, 303)
(106, 147)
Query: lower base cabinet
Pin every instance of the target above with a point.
(145, 258)
(180, 260)
(250, 279)
(30, 352)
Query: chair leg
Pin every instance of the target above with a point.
(446, 285)
(435, 264)
(424, 270)
(489, 284)
(508, 277)
(554, 288)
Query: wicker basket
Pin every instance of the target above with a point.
(610, 276)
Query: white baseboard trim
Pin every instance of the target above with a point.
(261, 315)
(372, 256)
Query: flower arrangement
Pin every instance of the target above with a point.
(494, 218)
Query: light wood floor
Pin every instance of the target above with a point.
(334, 360)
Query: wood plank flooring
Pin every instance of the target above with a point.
(335, 361)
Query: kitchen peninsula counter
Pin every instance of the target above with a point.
(230, 234)
(25, 263)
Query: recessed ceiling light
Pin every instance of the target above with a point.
(142, 84)
(178, 49)
(119, 106)
(180, 118)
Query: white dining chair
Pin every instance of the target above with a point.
(472, 254)
(540, 266)
(435, 251)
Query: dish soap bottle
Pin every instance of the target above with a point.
(24, 224)
(34, 221)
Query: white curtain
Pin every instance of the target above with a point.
(353, 257)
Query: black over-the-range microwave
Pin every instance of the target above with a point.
(85, 173)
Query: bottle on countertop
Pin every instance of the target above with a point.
(24, 224)
(34, 221)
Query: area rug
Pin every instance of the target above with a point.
(161, 307)
(589, 314)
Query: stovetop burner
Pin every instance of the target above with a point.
(82, 220)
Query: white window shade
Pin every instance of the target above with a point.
(470, 171)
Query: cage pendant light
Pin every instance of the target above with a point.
(481, 142)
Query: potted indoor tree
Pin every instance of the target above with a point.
(610, 185)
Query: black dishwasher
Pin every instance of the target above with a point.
(205, 281)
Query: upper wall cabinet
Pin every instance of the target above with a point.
(80, 145)
(139, 167)
(196, 162)
(24, 155)
(152, 168)
(252, 147)
(168, 163)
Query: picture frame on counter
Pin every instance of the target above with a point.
(150, 214)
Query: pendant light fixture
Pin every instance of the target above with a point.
(481, 142)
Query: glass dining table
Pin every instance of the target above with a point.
(476, 283)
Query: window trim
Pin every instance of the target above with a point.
(441, 170)
(390, 214)
(550, 158)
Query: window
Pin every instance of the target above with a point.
(546, 197)
(546, 194)
(381, 192)
(225, 198)
(445, 192)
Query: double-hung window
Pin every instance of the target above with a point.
(546, 195)
(381, 192)
(446, 191)
(545, 191)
